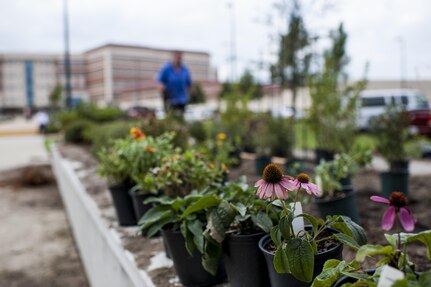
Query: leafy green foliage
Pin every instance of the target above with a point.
(74, 132)
(55, 95)
(391, 131)
(333, 111)
(329, 173)
(333, 270)
(300, 256)
(197, 94)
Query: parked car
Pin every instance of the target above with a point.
(374, 102)
(141, 112)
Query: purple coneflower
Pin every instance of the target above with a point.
(397, 206)
(303, 180)
(274, 184)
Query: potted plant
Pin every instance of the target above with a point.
(240, 234)
(333, 111)
(392, 257)
(182, 221)
(392, 132)
(115, 163)
(263, 141)
(333, 177)
(180, 173)
(147, 154)
(295, 255)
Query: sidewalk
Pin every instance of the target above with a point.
(18, 126)
(19, 151)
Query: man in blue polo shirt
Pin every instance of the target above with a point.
(175, 82)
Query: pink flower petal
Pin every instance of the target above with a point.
(407, 220)
(260, 182)
(311, 187)
(287, 183)
(279, 191)
(380, 199)
(388, 218)
(296, 183)
(269, 192)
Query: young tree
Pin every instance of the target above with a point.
(197, 94)
(291, 69)
(333, 110)
(55, 95)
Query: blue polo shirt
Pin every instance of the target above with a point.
(177, 83)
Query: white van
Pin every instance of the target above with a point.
(374, 102)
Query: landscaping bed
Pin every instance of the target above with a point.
(149, 253)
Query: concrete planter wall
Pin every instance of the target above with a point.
(105, 260)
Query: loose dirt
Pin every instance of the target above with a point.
(37, 247)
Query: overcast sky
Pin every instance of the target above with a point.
(374, 28)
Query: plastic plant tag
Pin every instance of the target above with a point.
(389, 275)
(297, 223)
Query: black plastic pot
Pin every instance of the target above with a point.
(346, 205)
(245, 264)
(189, 268)
(327, 155)
(261, 162)
(347, 279)
(399, 166)
(123, 204)
(285, 279)
(138, 203)
(394, 181)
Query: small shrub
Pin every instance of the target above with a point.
(66, 117)
(74, 132)
(103, 135)
(198, 132)
(100, 115)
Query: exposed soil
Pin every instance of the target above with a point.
(367, 183)
(37, 248)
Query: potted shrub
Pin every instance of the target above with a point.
(333, 177)
(115, 163)
(392, 132)
(295, 255)
(388, 257)
(182, 221)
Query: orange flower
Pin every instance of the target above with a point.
(221, 136)
(150, 149)
(137, 134)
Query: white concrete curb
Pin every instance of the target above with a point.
(105, 260)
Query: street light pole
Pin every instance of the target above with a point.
(232, 41)
(403, 63)
(67, 68)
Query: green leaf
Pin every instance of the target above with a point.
(276, 235)
(153, 215)
(203, 203)
(157, 226)
(219, 220)
(188, 238)
(329, 275)
(425, 279)
(370, 250)
(211, 255)
(262, 221)
(240, 208)
(349, 241)
(281, 263)
(424, 237)
(313, 221)
(301, 259)
(347, 226)
(285, 225)
(391, 239)
(195, 227)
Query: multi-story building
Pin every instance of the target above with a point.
(26, 80)
(104, 75)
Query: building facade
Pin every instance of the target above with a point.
(104, 75)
